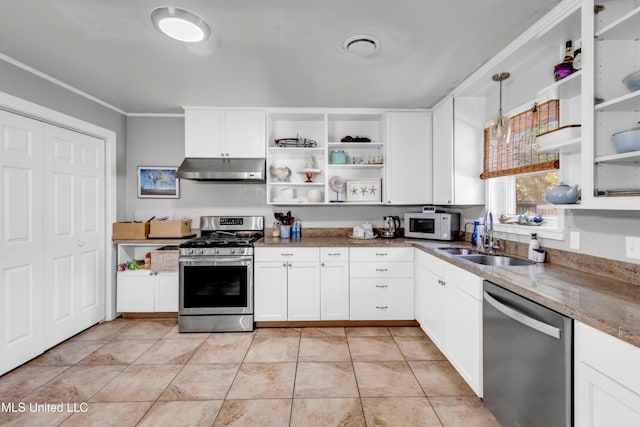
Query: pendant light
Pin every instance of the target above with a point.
(500, 129)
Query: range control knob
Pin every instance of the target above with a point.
(216, 251)
(200, 251)
(191, 251)
(233, 251)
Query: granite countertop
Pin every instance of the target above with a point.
(606, 304)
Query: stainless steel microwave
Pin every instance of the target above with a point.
(430, 225)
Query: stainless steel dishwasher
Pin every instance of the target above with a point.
(527, 365)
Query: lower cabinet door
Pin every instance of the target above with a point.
(381, 299)
(434, 310)
(334, 288)
(166, 292)
(463, 334)
(606, 379)
(270, 291)
(135, 292)
(303, 291)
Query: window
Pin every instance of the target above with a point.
(518, 176)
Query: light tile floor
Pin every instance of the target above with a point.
(143, 372)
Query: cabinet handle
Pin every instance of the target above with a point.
(322, 264)
(382, 286)
(289, 264)
(283, 254)
(284, 264)
(334, 254)
(382, 269)
(382, 254)
(382, 307)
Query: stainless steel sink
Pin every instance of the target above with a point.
(457, 251)
(495, 260)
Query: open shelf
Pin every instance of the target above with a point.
(297, 184)
(356, 145)
(566, 88)
(569, 146)
(620, 159)
(627, 27)
(296, 150)
(626, 102)
(357, 166)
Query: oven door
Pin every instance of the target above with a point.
(216, 285)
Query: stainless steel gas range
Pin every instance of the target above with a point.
(216, 275)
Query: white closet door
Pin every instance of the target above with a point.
(21, 241)
(74, 232)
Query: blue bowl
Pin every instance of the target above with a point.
(627, 141)
(632, 81)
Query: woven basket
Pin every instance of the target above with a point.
(165, 259)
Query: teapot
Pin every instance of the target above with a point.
(562, 194)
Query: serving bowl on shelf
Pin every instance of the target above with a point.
(632, 81)
(627, 140)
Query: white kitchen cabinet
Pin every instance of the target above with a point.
(458, 125)
(453, 316)
(334, 283)
(213, 132)
(606, 379)
(409, 158)
(145, 291)
(287, 284)
(270, 290)
(381, 283)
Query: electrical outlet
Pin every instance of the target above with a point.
(574, 240)
(632, 247)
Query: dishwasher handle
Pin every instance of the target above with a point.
(539, 326)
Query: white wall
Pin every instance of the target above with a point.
(28, 86)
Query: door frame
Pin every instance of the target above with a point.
(22, 107)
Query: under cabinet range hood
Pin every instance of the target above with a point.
(216, 169)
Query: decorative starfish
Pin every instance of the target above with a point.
(372, 190)
(363, 190)
(354, 191)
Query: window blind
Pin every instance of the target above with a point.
(520, 154)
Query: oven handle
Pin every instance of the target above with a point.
(226, 260)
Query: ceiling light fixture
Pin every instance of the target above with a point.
(180, 24)
(500, 129)
(361, 45)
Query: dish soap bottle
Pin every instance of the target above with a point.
(533, 245)
(474, 235)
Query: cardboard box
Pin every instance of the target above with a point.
(170, 228)
(130, 231)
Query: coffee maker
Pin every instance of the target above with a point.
(391, 227)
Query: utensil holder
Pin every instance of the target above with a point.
(285, 231)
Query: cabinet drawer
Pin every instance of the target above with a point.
(381, 254)
(381, 269)
(287, 254)
(381, 299)
(334, 254)
(467, 282)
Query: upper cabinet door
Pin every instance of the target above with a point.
(220, 133)
(246, 133)
(204, 133)
(443, 153)
(408, 158)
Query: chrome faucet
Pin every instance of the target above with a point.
(488, 221)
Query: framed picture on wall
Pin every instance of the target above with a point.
(158, 182)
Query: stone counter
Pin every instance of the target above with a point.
(607, 304)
